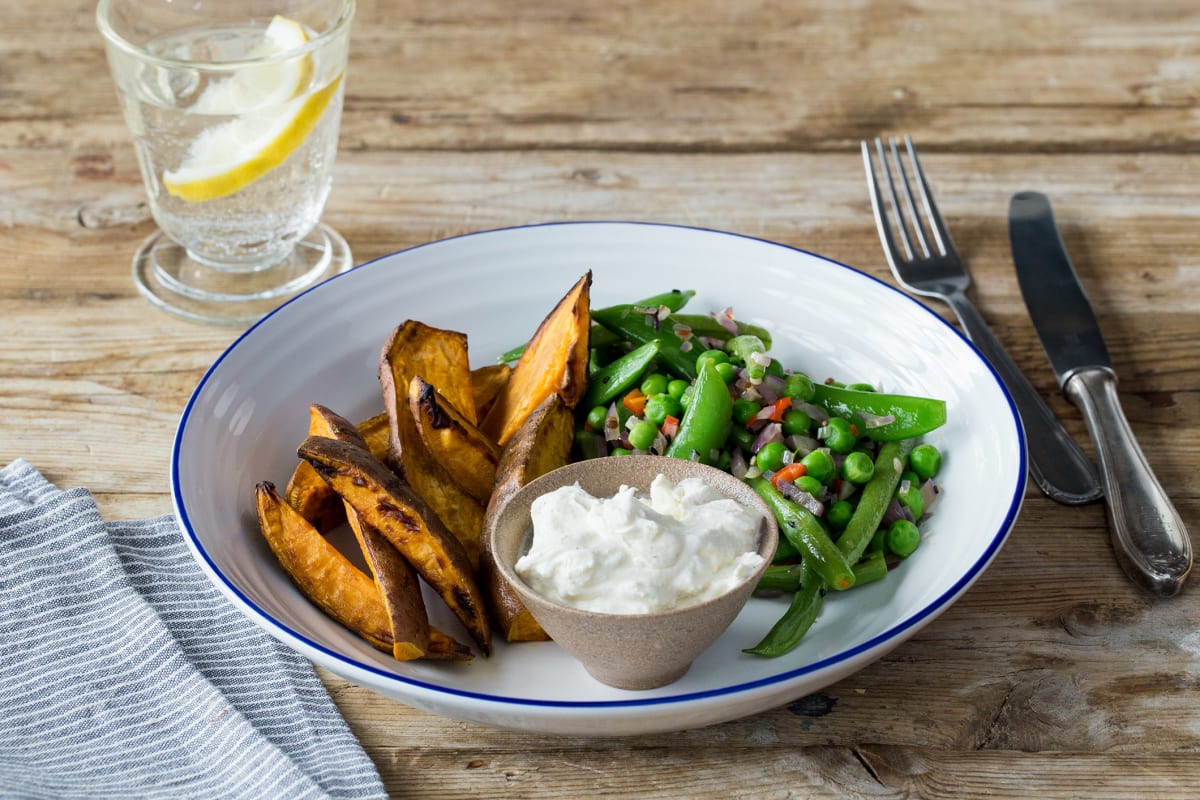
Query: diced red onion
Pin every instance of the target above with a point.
(685, 346)
(771, 432)
(612, 424)
(725, 319)
(749, 392)
(792, 492)
(803, 445)
(930, 492)
(660, 444)
(738, 464)
(896, 511)
(817, 413)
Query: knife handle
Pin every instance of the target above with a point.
(1149, 538)
(1058, 466)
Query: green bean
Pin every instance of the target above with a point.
(610, 381)
(873, 501)
(787, 632)
(707, 326)
(805, 531)
(780, 578)
(676, 355)
(872, 568)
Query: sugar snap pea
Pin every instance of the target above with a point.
(885, 417)
(707, 420)
(752, 352)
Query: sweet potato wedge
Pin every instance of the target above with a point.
(486, 383)
(469, 457)
(395, 578)
(320, 571)
(542, 443)
(387, 504)
(440, 358)
(554, 362)
(316, 501)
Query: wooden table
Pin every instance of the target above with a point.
(1053, 677)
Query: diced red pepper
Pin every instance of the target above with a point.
(789, 472)
(635, 401)
(670, 426)
(779, 407)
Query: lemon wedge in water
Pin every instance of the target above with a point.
(269, 119)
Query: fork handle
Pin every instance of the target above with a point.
(1058, 466)
(1149, 538)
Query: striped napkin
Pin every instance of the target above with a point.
(124, 673)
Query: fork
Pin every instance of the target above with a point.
(1057, 464)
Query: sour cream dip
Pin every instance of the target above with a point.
(632, 553)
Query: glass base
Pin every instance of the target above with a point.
(170, 278)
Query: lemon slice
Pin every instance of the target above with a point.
(269, 122)
(229, 157)
(256, 87)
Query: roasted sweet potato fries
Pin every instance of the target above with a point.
(415, 482)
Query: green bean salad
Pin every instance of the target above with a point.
(841, 466)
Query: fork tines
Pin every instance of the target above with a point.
(906, 219)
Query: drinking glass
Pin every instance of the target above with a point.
(233, 106)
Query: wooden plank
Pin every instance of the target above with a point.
(704, 76)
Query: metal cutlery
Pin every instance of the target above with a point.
(1149, 538)
(1058, 466)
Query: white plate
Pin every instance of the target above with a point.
(250, 411)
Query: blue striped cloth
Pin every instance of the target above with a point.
(124, 673)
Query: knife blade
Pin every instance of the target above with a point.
(1149, 538)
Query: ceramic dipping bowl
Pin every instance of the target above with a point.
(628, 651)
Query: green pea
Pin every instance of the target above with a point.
(796, 422)
(661, 406)
(800, 387)
(745, 410)
(838, 515)
(654, 383)
(819, 465)
(878, 541)
(807, 483)
(839, 437)
(770, 456)
(727, 372)
(621, 451)
(724, 459)
(909, 494)
(677, 387)
(742, 437)
(685, 399)
(715, 356)
(903, 537)
(925, 460)
(858, 468)
(642, 435)
(596, 417)
(775, 368)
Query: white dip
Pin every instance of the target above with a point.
(633, 554)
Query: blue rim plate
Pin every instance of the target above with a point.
(250, 410)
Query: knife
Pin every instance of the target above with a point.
(1149, 538)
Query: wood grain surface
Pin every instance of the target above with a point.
(1053, 677)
